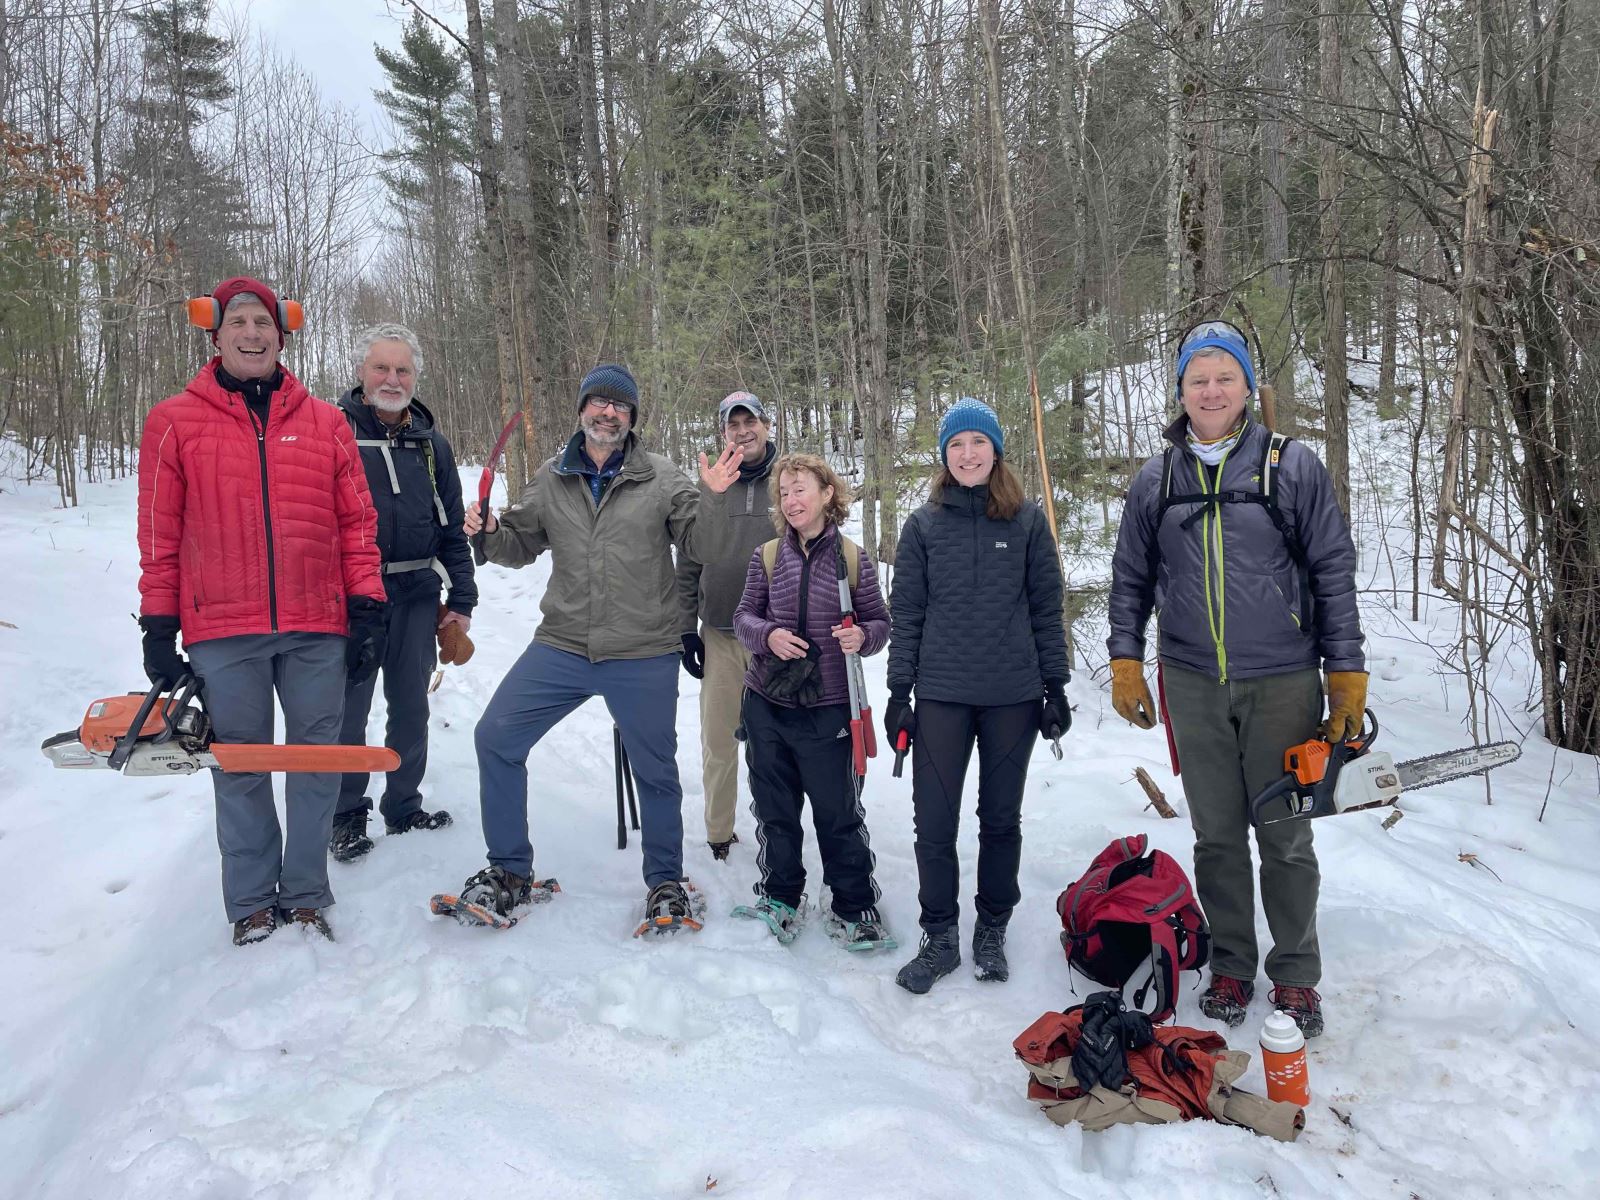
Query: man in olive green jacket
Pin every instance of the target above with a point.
(710, 593)
(610, 513)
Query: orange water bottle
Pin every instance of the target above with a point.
(1283, 1054)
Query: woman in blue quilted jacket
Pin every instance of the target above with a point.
(978, 640)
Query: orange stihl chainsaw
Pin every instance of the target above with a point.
(1323, 778)
(171, 735)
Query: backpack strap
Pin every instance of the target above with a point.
(851, 552)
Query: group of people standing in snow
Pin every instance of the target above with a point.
(301, 547)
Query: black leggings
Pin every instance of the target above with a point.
(939, 758)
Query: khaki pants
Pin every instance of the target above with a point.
(1231, 738)
(720, 692)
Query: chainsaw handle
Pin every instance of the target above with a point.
(1308, 784)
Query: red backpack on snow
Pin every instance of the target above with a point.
(1133, 910)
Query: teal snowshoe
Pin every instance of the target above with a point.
(785, 922)
(861, 936)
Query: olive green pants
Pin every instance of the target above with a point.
(1231, 738)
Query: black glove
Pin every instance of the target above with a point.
(369, 630)
(897, 715)
(1056, 716)
(162, 662)
(694, 655)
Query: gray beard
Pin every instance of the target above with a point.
(600, 437)
(388, 406)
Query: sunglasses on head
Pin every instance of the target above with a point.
(1218, 330)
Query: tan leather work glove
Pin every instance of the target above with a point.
(1347, 705)
(455, 647)
(1130, 696)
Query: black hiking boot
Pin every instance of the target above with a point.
(719, 850)
(309, 919)
(940, 954)
(257, 927)
(989, 953)
(1302, 1004)
(349, 840)
(421, 819)
(1227, 999)
(498, 890)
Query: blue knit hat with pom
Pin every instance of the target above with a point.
(967, 415)
(611, 381)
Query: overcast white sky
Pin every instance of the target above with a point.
(333, 39)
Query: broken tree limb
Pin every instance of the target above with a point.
(1158, 801)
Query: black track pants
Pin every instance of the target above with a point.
(939, 758)
(795, 754)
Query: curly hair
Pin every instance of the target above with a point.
(833, 513)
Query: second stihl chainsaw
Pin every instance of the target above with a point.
(1324, 778)
(154, 734)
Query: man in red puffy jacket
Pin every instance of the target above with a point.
(258, 541)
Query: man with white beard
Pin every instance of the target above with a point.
(416, 489)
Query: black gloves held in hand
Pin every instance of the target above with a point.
(162, 662)
(694, 655)
(899, 715)
(1055, 718)
(369, 630)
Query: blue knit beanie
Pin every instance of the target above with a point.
(610, 381)
(1216, 335)
(967, 415)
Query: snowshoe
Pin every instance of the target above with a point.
(257, 927)
(719, 850)
(421, 819)
(671, 906)
(309, 919)
(861, 936)
(1227, 999)
(491, 896)
(785, 922)
(989, 953)
(939, 954)
(1303, 1005)
(349, 841)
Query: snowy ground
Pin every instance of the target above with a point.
(144, 1056)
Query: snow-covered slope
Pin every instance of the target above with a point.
(144, 1056)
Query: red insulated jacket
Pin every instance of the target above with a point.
(243, 530)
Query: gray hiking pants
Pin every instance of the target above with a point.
(261, 866)
(1231, 738)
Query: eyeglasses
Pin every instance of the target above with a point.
(600, 403)
(1221, 331)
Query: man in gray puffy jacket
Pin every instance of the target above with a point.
(1234, 537)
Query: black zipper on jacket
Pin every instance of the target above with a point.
(266, 515)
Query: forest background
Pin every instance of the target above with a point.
(859, 210)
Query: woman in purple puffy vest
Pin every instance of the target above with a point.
(796, 707)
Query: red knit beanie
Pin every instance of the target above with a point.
(239, 285)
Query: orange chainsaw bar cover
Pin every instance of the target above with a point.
(242, 757)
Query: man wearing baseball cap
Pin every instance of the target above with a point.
(709, 592)
(258, 542)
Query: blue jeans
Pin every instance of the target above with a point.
(544, 686)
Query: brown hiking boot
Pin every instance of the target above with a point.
(1227, 999)
(257, 927)
(1302, 1004)
(309, 918)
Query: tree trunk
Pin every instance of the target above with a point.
(1330, 185)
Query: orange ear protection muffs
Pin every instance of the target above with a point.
(205, 312)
